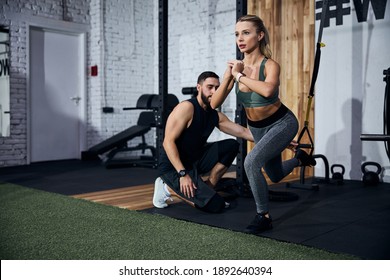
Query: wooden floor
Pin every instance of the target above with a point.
(137, 197)
(134, 198)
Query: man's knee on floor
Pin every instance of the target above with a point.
(215, 205)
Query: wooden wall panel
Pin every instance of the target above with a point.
(291, 26)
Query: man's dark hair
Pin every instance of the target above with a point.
(207, 74)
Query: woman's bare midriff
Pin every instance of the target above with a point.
(261, 113)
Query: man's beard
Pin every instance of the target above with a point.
(206, 101)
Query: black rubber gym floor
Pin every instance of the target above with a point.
(348, 218)
(70, 177)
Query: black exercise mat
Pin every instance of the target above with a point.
(347, 218)
(70, 177)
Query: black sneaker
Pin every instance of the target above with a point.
(304, 158)
(259, 224)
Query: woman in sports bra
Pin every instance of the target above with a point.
(272, 124)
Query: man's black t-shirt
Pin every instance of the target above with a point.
(193, 138)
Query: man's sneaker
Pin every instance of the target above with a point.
(259, 224)
(161, 194)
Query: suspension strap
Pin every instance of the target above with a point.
(316, 67)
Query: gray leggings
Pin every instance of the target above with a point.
(270, 141)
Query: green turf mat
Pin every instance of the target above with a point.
(40, 225)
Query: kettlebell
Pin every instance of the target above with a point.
(371, 178)
(338, 177)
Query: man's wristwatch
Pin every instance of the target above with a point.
(182, 173)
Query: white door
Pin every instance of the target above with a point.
(56, 95)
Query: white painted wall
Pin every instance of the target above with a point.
(350, 92)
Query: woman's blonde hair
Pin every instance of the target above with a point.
(264, 44)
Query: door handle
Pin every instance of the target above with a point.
(76, 99)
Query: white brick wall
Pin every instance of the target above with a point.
(122, 45)
(195, 32)
(200, 38)
(95, 84)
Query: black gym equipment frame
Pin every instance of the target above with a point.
(163, 74)
(240, 118)
(386, 118)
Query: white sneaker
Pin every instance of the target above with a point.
(161, 194)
